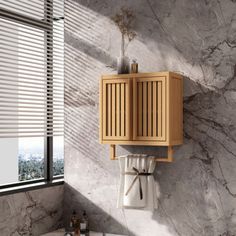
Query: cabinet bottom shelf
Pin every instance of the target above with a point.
(143, 143)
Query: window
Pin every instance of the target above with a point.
(31, 91)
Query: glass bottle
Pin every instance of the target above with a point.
(84, 227)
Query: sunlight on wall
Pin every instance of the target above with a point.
(81, 76)
(145, 225)
(83, 22)
(92, 42)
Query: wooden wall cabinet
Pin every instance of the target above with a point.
(141, 109)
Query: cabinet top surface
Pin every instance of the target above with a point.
(135, 75)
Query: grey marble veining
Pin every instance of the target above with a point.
(31, 213)
(195, 38)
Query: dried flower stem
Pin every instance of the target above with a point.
(124, 21)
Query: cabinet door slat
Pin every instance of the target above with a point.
(122, 96)
(163, 108)
(149, 120)
(104, 109)
(118, 110)
(109, 109)
(113, 110)
(159, 108)
(140, 109)
(144, 108)
(127, 109)
(154, 89)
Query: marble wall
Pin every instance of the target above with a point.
(194, 38)
(31, 213)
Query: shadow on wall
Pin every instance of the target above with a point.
(83, 30)
(191, 187)
(198, 188)
(163, 36)
(99, 220)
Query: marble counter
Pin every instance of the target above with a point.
(61, 232)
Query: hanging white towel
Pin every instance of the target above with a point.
(137, 186)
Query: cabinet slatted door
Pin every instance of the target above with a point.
(149, 109)
(116, 109)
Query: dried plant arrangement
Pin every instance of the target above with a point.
(124, 20)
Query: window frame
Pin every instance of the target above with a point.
(47, 27)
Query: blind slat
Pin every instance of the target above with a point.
(31, 68)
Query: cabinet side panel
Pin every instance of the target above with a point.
(100, 111)
(176, 110)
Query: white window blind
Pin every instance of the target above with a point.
(31, 68)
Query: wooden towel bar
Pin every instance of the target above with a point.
(169, 157)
